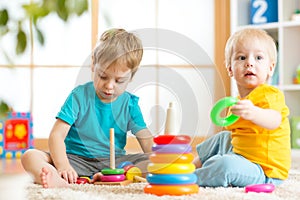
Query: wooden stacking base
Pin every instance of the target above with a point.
(125, 182)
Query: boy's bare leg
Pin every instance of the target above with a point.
(197, 162)
(37, 163)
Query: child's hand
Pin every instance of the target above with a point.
(68, 173)
(96, 177)
(244, 109)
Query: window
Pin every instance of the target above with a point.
(63, 62)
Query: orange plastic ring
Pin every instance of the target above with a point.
(170, 168)
(174, 190)
(171, 158)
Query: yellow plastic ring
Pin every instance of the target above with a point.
(171, 158)
(170, 168)
(174, 190)
(132, 172)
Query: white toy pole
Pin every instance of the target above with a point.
(170, 124)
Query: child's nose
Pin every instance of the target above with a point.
(250, 62)
(110, 84)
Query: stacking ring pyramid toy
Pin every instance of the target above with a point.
(112, 175)
(171, 171)
(124, 174)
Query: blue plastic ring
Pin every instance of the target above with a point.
(123, 164)
(171, 179)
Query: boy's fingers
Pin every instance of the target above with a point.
(64, 175)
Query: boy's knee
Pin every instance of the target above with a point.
(222, 163)
(28, 154)
(227, 162)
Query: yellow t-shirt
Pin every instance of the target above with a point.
(268, 148)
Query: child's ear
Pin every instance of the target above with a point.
(272, 68)
(229, 71)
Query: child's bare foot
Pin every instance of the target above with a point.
(50, 179)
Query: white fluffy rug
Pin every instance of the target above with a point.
(290, 189)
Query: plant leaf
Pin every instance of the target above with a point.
(21, 42)
(61, 9)
(3, 17)
(77, 6)
(40, 36)
(4, 109)
(34, 9)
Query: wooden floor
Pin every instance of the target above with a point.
(13, 180)
(11, 166)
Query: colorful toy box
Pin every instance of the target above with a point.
(15, 134)
(295, 132)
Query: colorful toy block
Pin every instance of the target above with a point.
(15, 134)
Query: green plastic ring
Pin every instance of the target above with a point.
(109, 171)
(219, 107)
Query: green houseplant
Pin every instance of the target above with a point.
(35, 11)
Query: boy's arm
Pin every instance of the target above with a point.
(145, 139)
(58, 153)
(266, 118)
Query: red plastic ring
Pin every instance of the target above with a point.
(172, 139)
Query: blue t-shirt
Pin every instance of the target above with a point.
(91, 119)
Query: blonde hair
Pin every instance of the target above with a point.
(250, 33)
(117, 46)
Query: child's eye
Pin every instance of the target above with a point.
(120, 81)
(242, 58)
(259, 57)
(102, 77)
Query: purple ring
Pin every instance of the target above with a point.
(172, 148)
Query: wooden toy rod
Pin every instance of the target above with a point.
(112, 148)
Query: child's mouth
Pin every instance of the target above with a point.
(107, 94)
(249, 74)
